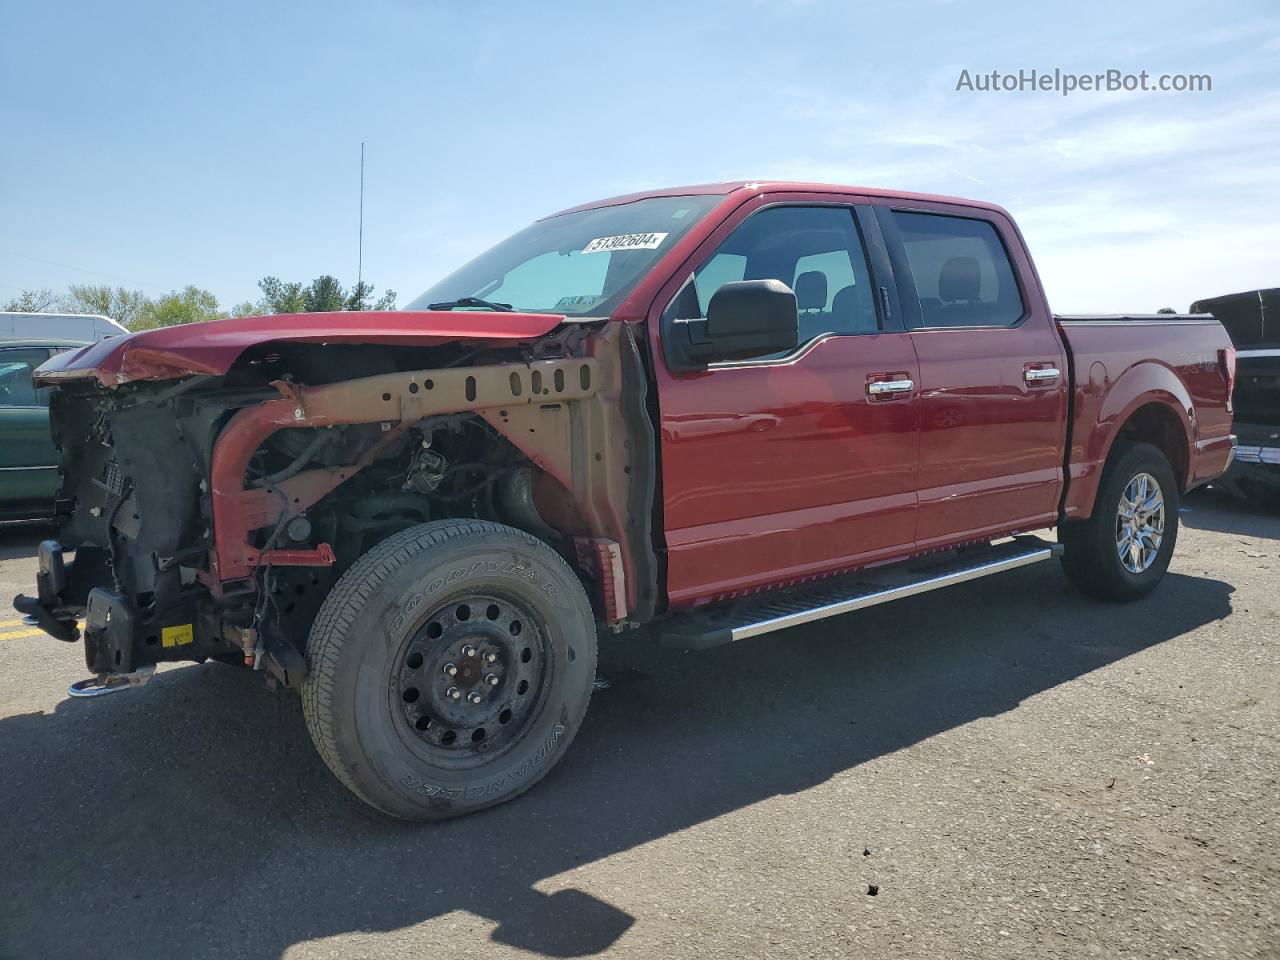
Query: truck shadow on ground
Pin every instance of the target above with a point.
(193, 818)
(1217, 510)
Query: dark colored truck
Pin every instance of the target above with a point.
(1252, 320)
(708, 412)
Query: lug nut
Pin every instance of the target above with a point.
(491, 679)
(490, 657)
(450, 670)
(453, 693)
(474, 697)
(468, 651)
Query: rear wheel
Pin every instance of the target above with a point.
(449, 669)
(1123, 550)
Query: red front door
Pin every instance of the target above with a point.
(784, 468)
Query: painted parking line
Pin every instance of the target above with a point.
(17, 630)
(21, 634)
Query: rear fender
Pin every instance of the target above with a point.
(1103, 408)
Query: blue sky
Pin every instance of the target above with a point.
(154, 145)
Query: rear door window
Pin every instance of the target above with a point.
(961, 271)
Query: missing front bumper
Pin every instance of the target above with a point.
(118, 637)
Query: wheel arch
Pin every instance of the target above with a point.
(1156, 423)
(579, 420)
(1147, 403)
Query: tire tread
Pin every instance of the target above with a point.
(349, 598)
(1089, 543)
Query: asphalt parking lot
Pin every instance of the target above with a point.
(1011, 770)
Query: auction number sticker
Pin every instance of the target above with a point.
(627, 241)
(581, 300)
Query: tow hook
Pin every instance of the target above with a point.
(37, 615)
(104, 683)
(51, 580)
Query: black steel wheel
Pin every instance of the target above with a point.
(471, 678)
(449, 669)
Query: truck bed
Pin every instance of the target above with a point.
(1112, 370)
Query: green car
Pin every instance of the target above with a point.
(29, 476)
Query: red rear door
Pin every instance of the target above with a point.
(993, 373)
(787, 467)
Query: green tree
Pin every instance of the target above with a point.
(361, 298)
(33, 301)
(324, 294)
(243, 309)
(189, 305)
(121, 305)
(281, 297)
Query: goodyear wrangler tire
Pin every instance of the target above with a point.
(449, 669)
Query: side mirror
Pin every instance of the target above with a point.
(745, 319)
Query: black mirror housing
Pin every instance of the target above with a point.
(745, 319)
(752, 318)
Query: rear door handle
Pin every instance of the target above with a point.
(1042, 375)
(879, 388)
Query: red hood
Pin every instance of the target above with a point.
(168, 353)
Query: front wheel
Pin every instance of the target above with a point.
(1123, 550)
(449, 669)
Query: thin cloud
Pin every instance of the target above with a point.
(1123, 208)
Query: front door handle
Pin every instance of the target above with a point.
(878, 388)
(1042, 375)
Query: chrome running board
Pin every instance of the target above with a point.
(779, 610)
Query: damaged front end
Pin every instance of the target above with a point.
(135, 526)
(208, 517)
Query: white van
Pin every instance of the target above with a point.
(86, 327)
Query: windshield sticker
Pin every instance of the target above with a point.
(627, 241)
(582, 300)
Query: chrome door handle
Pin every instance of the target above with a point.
(880, 387)
(1038, 376)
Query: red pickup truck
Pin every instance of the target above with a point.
(710, 412)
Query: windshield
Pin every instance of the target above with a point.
(580, 263)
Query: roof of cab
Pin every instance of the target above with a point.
(776, 186)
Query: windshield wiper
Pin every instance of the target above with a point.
(470, 302)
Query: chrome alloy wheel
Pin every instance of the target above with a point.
(1140, 523)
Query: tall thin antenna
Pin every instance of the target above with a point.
(360, 255)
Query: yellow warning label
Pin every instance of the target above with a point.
(176, 636)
